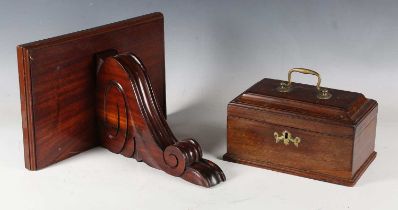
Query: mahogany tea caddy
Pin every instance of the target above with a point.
(319, 133)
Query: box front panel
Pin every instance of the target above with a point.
(256, 142)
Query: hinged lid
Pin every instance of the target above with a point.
(301, 99)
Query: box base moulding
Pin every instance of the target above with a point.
(305, 173)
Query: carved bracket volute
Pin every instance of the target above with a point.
(131, 123)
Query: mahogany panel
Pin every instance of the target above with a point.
(57, 84)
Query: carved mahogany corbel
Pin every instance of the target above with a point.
(131, 123)
(74, 98)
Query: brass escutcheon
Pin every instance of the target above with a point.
(286, 138)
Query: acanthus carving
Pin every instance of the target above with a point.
(131, 123)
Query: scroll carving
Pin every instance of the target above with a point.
(131, 123)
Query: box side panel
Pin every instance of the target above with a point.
(364, 144)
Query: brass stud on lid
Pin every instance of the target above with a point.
(284, 87)
(324, 94)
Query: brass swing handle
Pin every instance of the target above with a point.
(285, 87)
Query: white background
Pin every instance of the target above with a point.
(214, 51)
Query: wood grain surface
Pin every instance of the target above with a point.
(337, 135)
(130, 122)
(57, 84)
